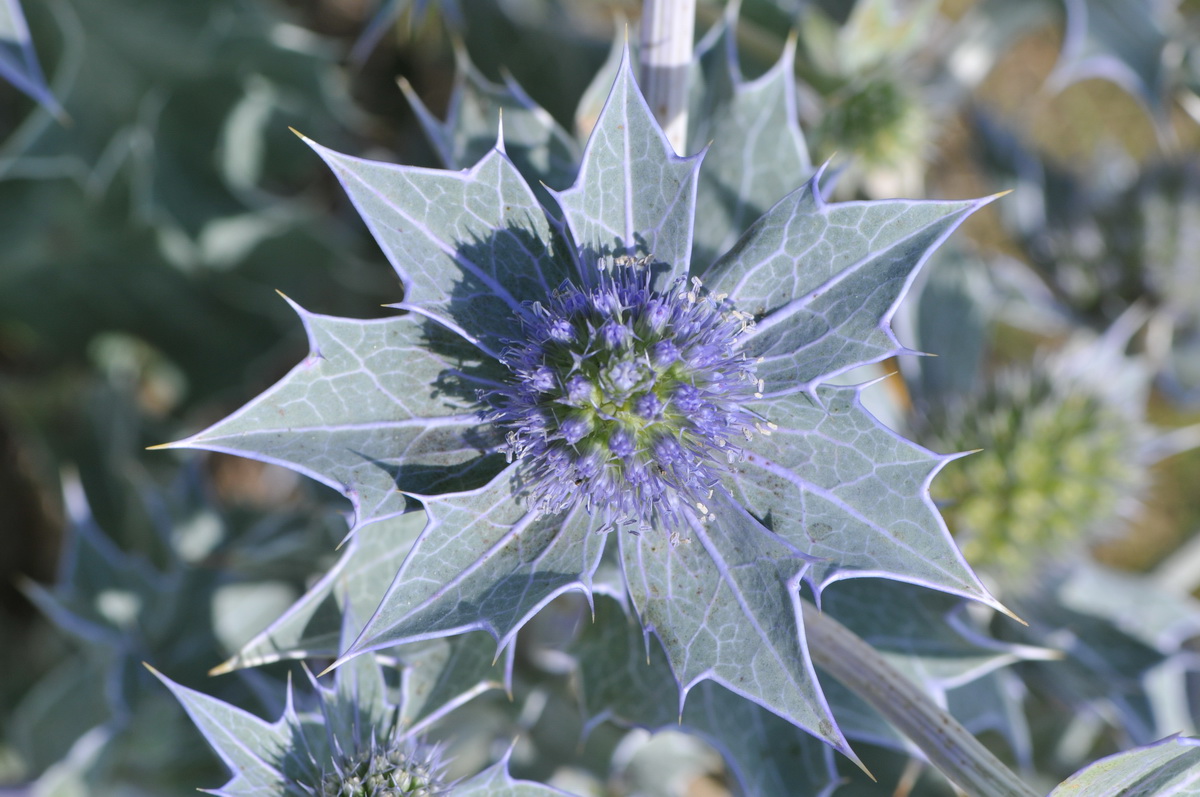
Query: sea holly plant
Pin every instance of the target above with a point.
(565, 380)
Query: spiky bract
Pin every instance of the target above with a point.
(398, 769)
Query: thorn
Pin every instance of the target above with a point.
(161, 446)
(337, 663)
(1009, 612)
(300, 135)
(224, 668)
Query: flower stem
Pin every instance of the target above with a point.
(948, 745)
(668, 27)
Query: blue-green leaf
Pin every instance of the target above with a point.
(312, 627)
(377, 407)
(469, 246)
(540, 149)
(723, 602)
(756, 152)
(823, 281)
(841, 488)
(484, 561)
(1170, 766)
(254, 750)
(1118, 40)
(627, 681)
(633, 194)
(922, 634)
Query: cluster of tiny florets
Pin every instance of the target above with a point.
(1058, 463)
(403, 770)
(624, 399)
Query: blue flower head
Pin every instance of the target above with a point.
(624, 399)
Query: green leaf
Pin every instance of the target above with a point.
(486, 562)
(469, 246)
(1170, 766)
(840, 487)
(626, 680)
(756, 153)
(377, 407)
(633, 194)
(823, 281)
(724, 605)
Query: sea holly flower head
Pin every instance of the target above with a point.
(348, 740)
(624, 399)
(595, 365)
(391, 769)
(351, 738)
(1064, 454)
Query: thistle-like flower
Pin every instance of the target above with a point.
(571, 370)
(350, 740)
(625, 399)
(1065, 454)
(392, 768)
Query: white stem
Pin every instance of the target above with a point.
(668, 27)
(948, 745)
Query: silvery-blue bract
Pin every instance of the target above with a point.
(571, 379)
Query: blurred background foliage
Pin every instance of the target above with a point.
(153, 200)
